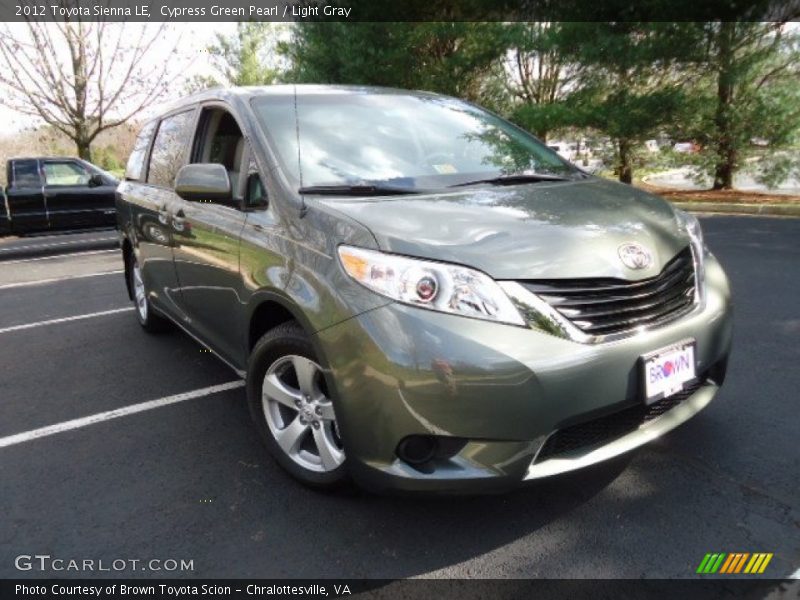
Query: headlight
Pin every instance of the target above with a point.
(691, 226)
(427, 284)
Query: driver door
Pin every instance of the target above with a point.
(74, 199)
(206, 238)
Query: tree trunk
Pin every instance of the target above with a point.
(625, 157)
(725, 168)
(84, 150)
(725, 143)
(76, 39)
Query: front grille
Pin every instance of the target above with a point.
(600, 306)
(603, 430)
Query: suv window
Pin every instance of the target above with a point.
(138, 157)
(256, 193)
(220, 140)
(169, 149)
(65, 173)
(26, 174)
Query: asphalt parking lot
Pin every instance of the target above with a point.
(190, 480)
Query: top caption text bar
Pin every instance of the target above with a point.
(398, 10)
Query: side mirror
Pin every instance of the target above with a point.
(203, 181)
(96, 180)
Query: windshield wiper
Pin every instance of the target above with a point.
(356, 190)
(514, 179)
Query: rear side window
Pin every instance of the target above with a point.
(136, 161)
(26, 174)
(169, 149)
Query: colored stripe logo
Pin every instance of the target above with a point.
(734, 562)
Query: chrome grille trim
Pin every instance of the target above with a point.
(607, 306)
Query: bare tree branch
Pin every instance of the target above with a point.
(83, 78)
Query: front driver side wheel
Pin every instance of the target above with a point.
(292, 409)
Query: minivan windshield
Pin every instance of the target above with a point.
(394, 141)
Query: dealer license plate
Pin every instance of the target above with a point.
(668, 370)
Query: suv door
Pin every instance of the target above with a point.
(206, 235)
(25, 197)
(152, 201)
(76, 196)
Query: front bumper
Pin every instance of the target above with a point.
(499, 390)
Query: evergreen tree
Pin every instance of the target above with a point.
(628, 81)
(248, 57)
(751, 94)
(450, 58)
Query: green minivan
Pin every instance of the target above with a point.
(420, 295)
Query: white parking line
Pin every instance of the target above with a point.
(55, 244)
(102, 313)
(795, 575)
(54, 279)
(33, 434)
(56, 256)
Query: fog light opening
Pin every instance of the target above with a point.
(417, 449)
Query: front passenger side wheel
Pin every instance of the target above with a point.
(292, 408)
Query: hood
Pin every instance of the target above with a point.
(538, 231)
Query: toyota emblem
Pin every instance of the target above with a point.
(635, 256)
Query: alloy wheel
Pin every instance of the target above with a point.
(299, 413)
(139, 292)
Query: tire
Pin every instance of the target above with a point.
(145, 314)
(292, 410)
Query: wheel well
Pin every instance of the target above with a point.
(267, 316)
(127, 252)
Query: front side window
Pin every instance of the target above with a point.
(26, 174)
(169, 149)
(256, 193)
(136, 161)
(220, 141)
(404, 140)
(65, 173)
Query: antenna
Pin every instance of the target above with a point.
(303, 208)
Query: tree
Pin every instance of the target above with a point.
(84, 78)
(248, 57)
(455, 58)
(628, 81)
(351, 53)
(451, 58)
(538, 76)
(752, 93)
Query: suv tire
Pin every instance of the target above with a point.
(145, 314)
(292, 410)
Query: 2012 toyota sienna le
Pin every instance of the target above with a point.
(421, 295)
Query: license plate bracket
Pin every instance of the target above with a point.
(668, 370)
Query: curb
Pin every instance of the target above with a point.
(778, 210)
